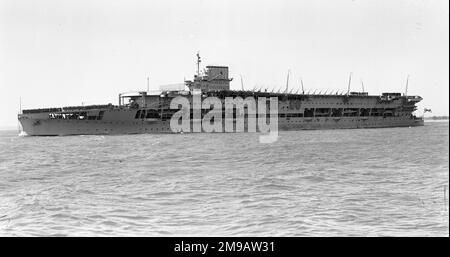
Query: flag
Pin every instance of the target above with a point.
(426, 110)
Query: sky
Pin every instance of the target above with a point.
(57, 53)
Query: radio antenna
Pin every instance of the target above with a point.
(407, 82)
(148, 84)
(349, 82)
(303, 89)
(242, 83)
(287, 81)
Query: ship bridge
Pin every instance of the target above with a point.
(214, 78)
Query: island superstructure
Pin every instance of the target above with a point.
(145, 112)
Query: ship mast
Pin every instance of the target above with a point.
(287, 81)
(198, 64)
(303, 89)
(349, 83)
(406, 89)
(19, 126)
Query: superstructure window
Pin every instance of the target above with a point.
(152, 114)
(143, 113)
(388, 113)
(350, 112)
(100, 115)
(364, 112)
(167, 116)
(295, 115)
(138, 114)
(377, 112)
(336, 112)
(322, 112)
(309, 112)
(82, 116)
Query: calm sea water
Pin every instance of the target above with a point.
(360, 182)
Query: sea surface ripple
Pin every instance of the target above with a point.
(356, 182)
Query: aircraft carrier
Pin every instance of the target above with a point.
(150, 112)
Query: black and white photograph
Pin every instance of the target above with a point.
(224, 119)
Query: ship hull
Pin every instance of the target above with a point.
(47, 127)
(294, 112)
